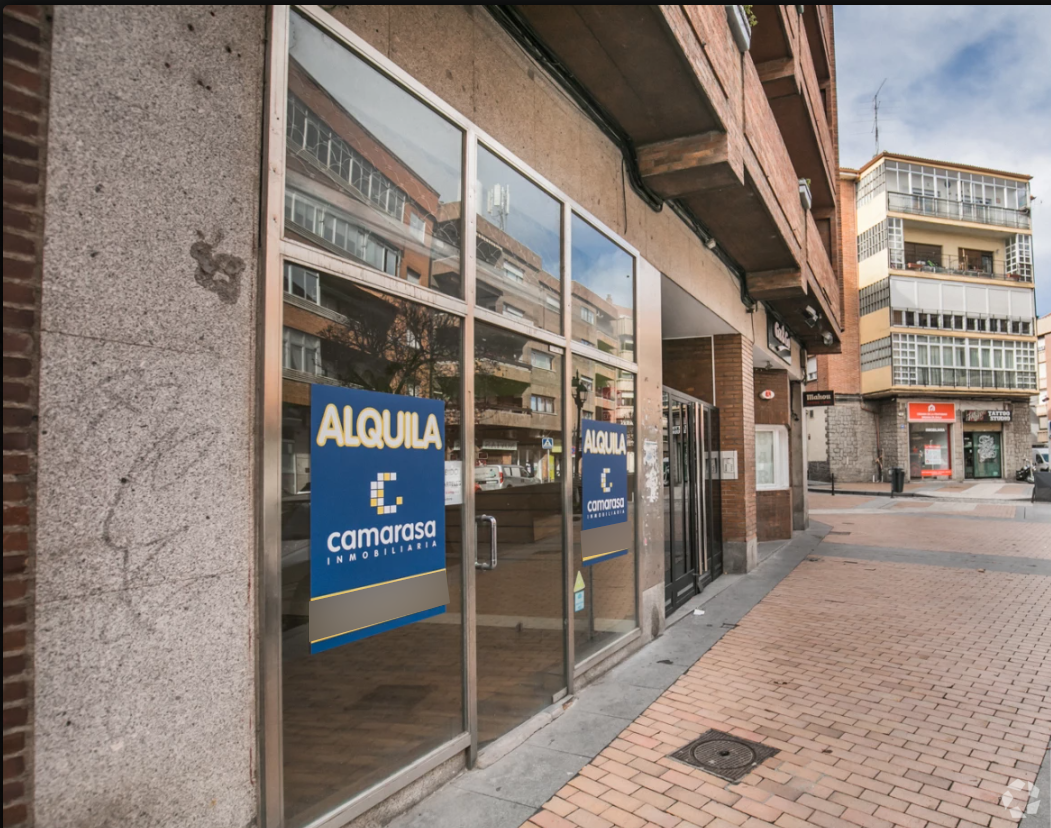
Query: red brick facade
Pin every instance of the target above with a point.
(736, 397)
(773, 508)
(842, 372)
(688, 366)
(26, 53)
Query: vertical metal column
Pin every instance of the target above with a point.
(268, 526)
(568, 457)
(470, 534)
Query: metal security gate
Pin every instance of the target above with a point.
(692, 528)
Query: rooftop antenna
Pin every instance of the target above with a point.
(498, 204)
(875, 114)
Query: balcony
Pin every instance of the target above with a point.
(698, 118)
(966, 378)
(986, 268)
(952, 210)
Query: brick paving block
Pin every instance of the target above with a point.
(588, 785)
(546, 819)
(623, 819)
(724, 812)
(864, 819)
(585, 819)
(789, 821)
(559, 806)
(657, 816)
(653, 798)
(588, 802)
(853, 802)
(935, 817)
(619, 783)
(622, 801)
(899, 818)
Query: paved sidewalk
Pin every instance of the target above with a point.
(904, 685)
(982, 490)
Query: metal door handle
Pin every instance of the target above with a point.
(492, 542)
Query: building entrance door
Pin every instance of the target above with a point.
(982, 455)
(692, 536)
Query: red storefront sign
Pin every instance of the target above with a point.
(932, 412)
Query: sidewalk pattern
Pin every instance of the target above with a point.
(898, 695)
(941, 534)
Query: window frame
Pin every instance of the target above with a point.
(781, 458)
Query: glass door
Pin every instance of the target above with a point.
(682, 538)
(518, 464)
(713, 525)
(987, 454)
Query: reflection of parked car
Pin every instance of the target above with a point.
(517, 476)
(488, 478)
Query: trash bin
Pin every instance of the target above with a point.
(897, 481)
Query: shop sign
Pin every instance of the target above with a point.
(604, 486)
(815, 399)
(377, 515)
(932, 412)
(994, 416)
(779, 339)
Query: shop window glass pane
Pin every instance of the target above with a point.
(929, 454)
(519, 243)
(355, 714)
(518, 462)
(604, 282)
(604, 394)
(764, 458)
(372, 174)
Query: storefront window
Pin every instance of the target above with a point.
(771, 457)
(607, 608)
(354, 714)
(519, 245)
(372, 174)
(929, 450)
(603, 292)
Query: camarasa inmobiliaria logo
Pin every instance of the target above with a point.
(1021, 798)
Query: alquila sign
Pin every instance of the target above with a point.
(377, 513)
(604, 487)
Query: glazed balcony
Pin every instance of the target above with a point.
(954, 210)
(984, 268)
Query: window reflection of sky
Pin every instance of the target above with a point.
(534, 216)
(426, 142)
(601, 266)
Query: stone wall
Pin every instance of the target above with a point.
(851, 430)
(146, 609)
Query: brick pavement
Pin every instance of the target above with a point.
(942, 534)
(899, 695)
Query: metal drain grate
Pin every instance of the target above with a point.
(723, 755)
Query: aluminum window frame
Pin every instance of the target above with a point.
(278, 250)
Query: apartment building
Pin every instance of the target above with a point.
(530, 221)
(1040, 401)
(939, 377)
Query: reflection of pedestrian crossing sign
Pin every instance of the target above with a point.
(578, 593)
(578, 586)
(547, 443)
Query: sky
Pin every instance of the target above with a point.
(970, 84)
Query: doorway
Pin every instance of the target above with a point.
(692, 528)
(982, 455)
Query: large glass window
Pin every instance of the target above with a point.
(608, 609)
(372, 174)
(929, 450)
(355, 714)
(603, 292)
(771, 457)
(519, 245)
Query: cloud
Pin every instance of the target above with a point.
(970, 84)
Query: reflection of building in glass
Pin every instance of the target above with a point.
(351, 195)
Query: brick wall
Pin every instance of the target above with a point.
(735, 391)
(688, 366)
(842, 372)
(26, 61)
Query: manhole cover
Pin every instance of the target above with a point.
(724, 755)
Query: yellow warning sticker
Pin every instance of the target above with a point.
(579, 584)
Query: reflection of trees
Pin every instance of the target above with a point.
(392, 344)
